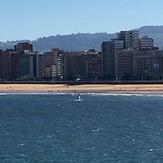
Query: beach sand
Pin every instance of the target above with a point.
(85, 88)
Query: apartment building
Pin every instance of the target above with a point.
(149, 63)
(13, 65)
(94, 65)
(145, 43)
(39, 66)
(53, 63)
(86, 65)
(8, 64)
(125, 63)
(30, 65)
(108, 56)
(130, 38)
(138, 64)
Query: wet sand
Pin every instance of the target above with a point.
(85, 88)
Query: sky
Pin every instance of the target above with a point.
(33, 19)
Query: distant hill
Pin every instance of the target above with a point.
(84, 41)
(73, 42)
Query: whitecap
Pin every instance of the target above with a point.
(20, 144)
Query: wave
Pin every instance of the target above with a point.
(74, 94)
(3, 94)
(126, 94)
(30, 93)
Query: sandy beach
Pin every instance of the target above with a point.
(85, 88)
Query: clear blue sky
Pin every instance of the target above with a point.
(31, 19)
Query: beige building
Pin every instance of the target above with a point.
(53, 64)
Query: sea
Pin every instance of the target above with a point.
(98, 128)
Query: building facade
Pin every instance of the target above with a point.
(39, 66)
(139, 64)
(8, 64)
(54, 64)
(130, 38)
(13, 65)
(149, 63)
(125, 63)
(30, 65)
(86, 65)
(108, 56)
(145, 43)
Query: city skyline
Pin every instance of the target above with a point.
(35, 19)
(127, 57)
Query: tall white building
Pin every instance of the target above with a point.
(130, 38)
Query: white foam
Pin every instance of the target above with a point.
(32, 93)
(126, 94)
(2, 94)
(74, 94)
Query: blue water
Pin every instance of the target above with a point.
(100, 128)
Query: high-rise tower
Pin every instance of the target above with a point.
(108, 56)
(130, 38)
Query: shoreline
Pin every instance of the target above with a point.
(85, 88)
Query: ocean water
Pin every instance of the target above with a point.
(101, 128)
